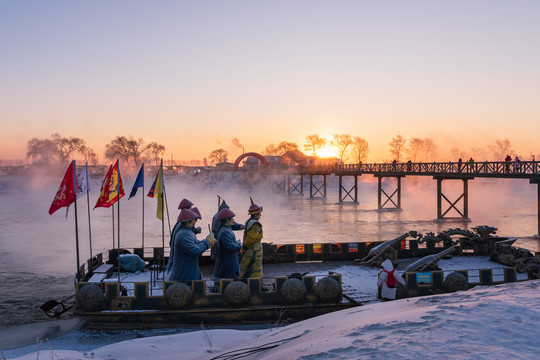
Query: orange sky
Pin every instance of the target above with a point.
(193, 76)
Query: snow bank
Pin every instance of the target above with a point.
(496, 322)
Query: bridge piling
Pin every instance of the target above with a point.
(348, 192)
(452, 205)
(312, 186)
(537, 182)
(293, 186)
(389, 198)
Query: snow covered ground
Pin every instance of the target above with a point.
(495, 322)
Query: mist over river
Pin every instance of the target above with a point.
(38, 256)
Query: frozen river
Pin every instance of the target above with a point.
(38, 250)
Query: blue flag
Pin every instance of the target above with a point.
(139, 182)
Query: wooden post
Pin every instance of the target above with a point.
(399, 192)
(379, 182)
(340, 185)
(439, 199)
(466, 198)
(355, 188)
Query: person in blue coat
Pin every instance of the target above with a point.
(183, 262)
(227, 264)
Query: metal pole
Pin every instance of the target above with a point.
(88, 203)
(76, 222)
(118, 207)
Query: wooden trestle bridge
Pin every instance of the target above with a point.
(291, 180)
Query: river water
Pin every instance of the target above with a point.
(38, 256)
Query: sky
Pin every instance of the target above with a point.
(194, 75)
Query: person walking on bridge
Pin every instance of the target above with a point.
(517, 164)
(507, 163)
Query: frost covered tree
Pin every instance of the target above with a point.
(500, 149)
(397, 145)
(126, 148)
(41, 151)
(360, 149)
(218, 156)
(156, 150)
(342, 143)
(314, 143)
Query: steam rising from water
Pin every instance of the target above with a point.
(38, 260)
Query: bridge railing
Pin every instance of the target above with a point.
(523, 169)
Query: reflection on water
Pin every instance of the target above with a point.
(38, 250)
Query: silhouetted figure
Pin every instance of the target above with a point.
(507, 163)
(517, 164)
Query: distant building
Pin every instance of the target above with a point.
(225, 166)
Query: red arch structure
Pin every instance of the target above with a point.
(254, 154)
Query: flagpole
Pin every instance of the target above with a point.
(167, 205)
(162, 223)
(113, 243)
(118, 225)
(143, 211)
(76, 222)
(89, 226)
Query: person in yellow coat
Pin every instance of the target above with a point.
(251, 264)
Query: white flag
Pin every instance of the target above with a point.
(82, 185)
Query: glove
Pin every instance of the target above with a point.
(197, 230)
(211, 240)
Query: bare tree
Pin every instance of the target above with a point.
(270, 150)
(126, 149)
(341, 142)
(500, 149)
(66, 146)
(285, 146)
(397, 145)
(218, 156)
(458, 153)
(415, 148)
(314, 143)
(429, 150)
(42, 151)
(360, 149)
(156, 150)
(89, 155)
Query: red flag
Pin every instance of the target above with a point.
(112, 188)
(65, 195)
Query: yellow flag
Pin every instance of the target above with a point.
(159, 194)
(156, 190)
